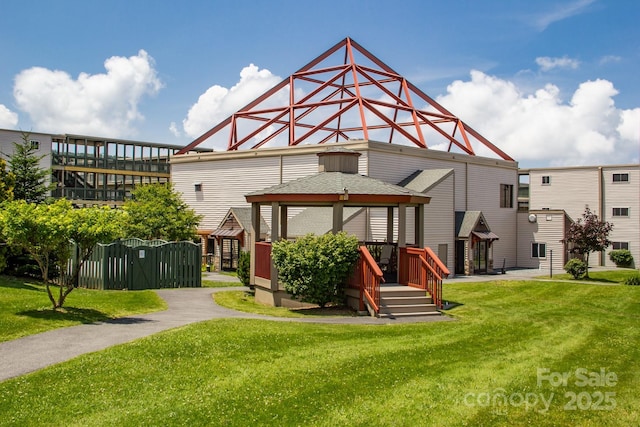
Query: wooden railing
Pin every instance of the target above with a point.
(424, 270)
(367, 277)
(263, 260)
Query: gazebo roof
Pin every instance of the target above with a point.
(325, 188)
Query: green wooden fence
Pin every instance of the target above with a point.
(139, 264)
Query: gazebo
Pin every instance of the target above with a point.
(338, 185)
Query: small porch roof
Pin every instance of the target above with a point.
(473, 223)
(326, 188)
(235, 222)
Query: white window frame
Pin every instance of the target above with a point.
(620, 176)
(620, 212)
(537, 246)
(546, 179)
(620, 244)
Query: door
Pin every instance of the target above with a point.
(460, 257)
(480, 257)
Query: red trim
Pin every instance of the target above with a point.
(343, 88)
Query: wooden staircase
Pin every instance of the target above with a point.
(405, 301)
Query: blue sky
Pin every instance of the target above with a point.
(549, 82)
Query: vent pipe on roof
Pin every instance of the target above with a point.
(338, 160)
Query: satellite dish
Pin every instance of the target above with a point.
(533, 218)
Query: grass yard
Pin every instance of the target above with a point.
(26, 309)
(244, 301)
(618, 275)
(217, 284)
(495, 366)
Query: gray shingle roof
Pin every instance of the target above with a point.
(425, 180)
(469, 221)
(336, 183)
(243, 215)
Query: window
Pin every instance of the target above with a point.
(620, 245)
(538, 250)
(620, 177)
(35, 144)
(620, 211)
(506, 196)
(546, 180)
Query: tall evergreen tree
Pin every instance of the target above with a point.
(30, 179)
(7, 182)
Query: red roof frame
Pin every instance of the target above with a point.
(337, 104)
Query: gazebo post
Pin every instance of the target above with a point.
(283, 222)
(254, 235)
(275, 232)
(402, 225)
(338, 209)
(419, 225)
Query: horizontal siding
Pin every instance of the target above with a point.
(224, 184)
(8, 137)
(294, 167)
(357, 225)
(484, 195)
(439, 223)
(570, 189)
(573, 189)
(548, 229)
(394, 167)
(623, 195)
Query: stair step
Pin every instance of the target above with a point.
(407, 308)
(422, 299)
(413, 314)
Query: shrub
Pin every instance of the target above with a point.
(633, 280)
(576, 268)
(314, 268)
(244, 266)
(622, 257)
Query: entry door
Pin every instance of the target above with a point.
(460, 256)
(480, 257)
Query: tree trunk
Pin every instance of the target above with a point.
(586, 275)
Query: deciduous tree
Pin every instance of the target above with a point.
(156, 211)
(588, 234)
(46, 231)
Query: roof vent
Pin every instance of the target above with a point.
(338, 160)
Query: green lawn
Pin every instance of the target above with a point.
(26, 310)
(244, 301)
(608, 276)
(217, 284)
(477, 371)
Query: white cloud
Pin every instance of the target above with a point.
(539, 129)
(547, 63)
(560, 12)
(218, 102)
(99, 104)
(173, 128)
(609, 59)
(8, 119)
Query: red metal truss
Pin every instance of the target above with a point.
(349, 100)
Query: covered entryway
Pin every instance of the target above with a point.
(231, 237)
(474, 244)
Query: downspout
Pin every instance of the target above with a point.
(601, 205)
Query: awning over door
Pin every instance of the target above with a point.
(227, 232)
(485, 235)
